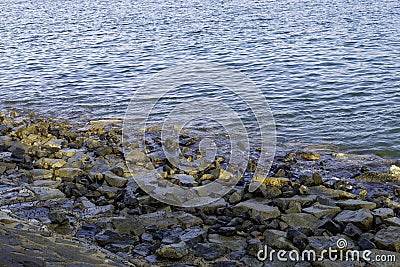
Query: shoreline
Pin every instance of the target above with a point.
(70, 181)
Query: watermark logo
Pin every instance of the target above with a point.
(340, 253)
(210, 106)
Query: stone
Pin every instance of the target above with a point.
(395, 221)
(114, 180)
(185, 180)
(231, 242)
(30, 248)
(143, 249)
(187, 219)
(270, 235)
(106, 210)
(313, 180)
(193, 236)
(283, 203)
(331, 193)
(361, 218)
(330, 225)
(45, 193)
(355, 204)
(366, 244)
(310, 155)
(257, 208)
(108, 237)
(173, 251)
(209, 251)
(300, 220)
(57, 217)
(55, 144)
(236, 196)
(270, 192)
(352, 231)
(377, 177)
(254, 245)
(383, 213)
(272, 181)
(319, 210)
(41, 174)
(68, 174)
(388, 238)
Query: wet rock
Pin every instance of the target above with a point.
(173, 251)
(355, 204)
(257, 208)
(114, 180)
(388, 238)
(361, 218)
(319, 210)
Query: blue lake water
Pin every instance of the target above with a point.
(330, 70)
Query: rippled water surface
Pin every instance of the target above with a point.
(330, 70)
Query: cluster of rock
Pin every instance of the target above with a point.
(67, 185)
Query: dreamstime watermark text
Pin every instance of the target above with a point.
(340, 253)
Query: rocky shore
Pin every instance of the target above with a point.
(68, 198)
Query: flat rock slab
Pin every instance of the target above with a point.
(25, 248)
(355, 204)
(258, 208)
(231, 242)
(383, 213)
(388, 239)
(300, 220)
(319, 210)
(361, 218)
